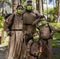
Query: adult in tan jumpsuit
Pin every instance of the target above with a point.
(16, 38)
(28, 18)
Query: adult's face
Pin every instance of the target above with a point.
(20, 10)
(29, 7)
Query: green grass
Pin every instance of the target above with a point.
(56, 57)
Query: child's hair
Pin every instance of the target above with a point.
(42, 16)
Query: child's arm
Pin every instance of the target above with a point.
(29, 45)
(36, 21)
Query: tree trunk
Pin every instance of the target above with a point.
(2, 7)
(59, 12)
(39, 6)
(20, 1)
(14, 5)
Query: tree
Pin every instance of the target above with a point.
(39, 6)
(14, 5)
(59, 12)
(20, 1)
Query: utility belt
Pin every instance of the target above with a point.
(28, 24)
(16, 30)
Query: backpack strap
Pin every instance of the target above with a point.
(23, 16)
(12, 21)
(49, 28)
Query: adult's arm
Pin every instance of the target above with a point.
(7, 22)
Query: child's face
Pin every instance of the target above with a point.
(36, 37)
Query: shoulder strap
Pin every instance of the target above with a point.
(23, 15)
(12, 21)
(49, 28)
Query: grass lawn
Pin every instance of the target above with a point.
(56, 57)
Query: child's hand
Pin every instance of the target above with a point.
(36, 53)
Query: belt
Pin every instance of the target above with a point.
(28, 24)
(16, 30)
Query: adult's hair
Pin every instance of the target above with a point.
(19, 6)
(29, 1)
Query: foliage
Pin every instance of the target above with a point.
(6, 1)
(52, 12)
(23, 2)
(1, 21)
(55, 25)
(56, 36)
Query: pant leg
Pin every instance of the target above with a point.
(50, 49)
